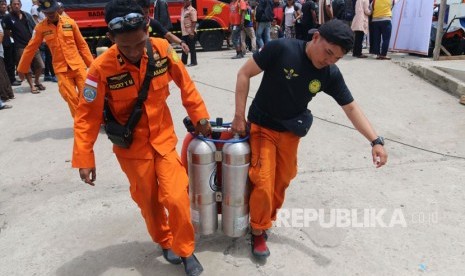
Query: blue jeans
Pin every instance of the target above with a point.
(236, 37)
(263, 33)
(381, 31)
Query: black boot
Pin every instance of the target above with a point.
(171, 257)
(192, 266)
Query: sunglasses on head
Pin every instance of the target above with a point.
(129, 21)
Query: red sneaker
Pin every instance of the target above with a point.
(259, 248)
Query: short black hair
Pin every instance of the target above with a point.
(337, 32)
(120, 8)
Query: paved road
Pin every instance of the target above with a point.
(52, 224)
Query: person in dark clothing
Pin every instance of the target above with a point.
(162, 15)
(158, 28)
(8, 48)
(264, 16)
(6, 92)
(309, 18)
(21, 24)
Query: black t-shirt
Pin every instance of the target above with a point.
(158, 28)
(307, 17)
(6, 38)
(290, 81)
(20, 30)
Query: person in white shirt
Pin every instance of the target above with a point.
(37, 15)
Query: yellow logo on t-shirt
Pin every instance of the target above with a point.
(290, 73)
(314, 86)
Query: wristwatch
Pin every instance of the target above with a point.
(378, 141)
(203, 122)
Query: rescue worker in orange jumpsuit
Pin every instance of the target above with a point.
(71, 55)
(156, 176)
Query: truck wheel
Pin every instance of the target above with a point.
(211, 40)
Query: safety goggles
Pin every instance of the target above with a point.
(128, 22)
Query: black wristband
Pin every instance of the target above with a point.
(182, 41)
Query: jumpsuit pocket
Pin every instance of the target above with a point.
(50, 40)
(255, 147)
(122, 102)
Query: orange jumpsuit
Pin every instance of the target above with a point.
(70, 53)
(273, 166)
(156, 175)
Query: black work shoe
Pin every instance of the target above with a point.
(16, 83)
(192, 266)
(171, 257)
(237, 56)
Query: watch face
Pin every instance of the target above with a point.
(378, 141)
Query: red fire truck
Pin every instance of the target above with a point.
(213, 20)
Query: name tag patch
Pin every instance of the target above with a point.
(67, 27)
(120, 81)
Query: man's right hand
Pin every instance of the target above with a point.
(88, 175)
(239, 125)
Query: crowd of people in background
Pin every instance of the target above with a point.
(255, 24)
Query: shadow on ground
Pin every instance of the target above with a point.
(56, 134)
(114, 259)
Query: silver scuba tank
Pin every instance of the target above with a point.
(235, 187)
(202, 170)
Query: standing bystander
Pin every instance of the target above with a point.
(21, 24)
(188, 29)
(8, 48)
(6, 93)
(360, 26)
(263, 15)
(382, 27)
(325, 12)
(236, 19)
(248, 30)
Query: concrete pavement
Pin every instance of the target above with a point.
(53, 224)
(449, 75)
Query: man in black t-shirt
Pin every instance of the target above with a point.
(21, 24)
(158, 28)
(294, 72)
(309, 18)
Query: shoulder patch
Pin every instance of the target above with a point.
(173, 54)
(89, 93)
(90, 89)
